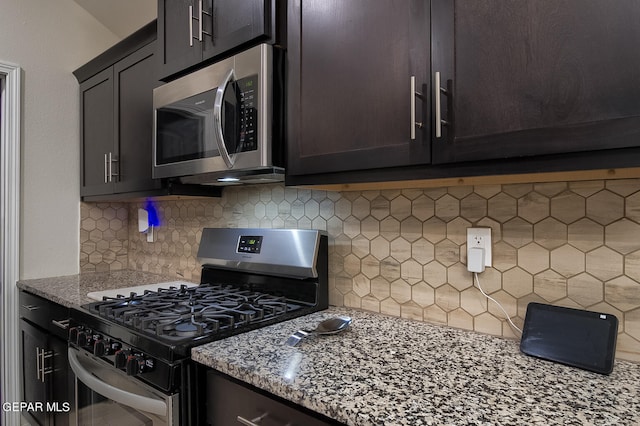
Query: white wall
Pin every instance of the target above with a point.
(49, 39)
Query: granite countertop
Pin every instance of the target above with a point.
(71, 291)
(391, 371)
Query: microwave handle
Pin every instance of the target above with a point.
(123, 397)
(217, 119)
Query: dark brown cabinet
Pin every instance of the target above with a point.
(46, 378)
(193, 31)
(116, 126)
(358, 81)
(536, 77)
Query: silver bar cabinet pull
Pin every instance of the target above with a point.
(106, 173)
(190, 26)
(252, 422)
(63, 324)
(438, 90)
(414, 123)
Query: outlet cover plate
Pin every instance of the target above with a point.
(480, 237)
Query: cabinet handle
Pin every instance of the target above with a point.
(252, 422)
(63, 324)
(31, 307)
(110, 162)
(414, 94)
(439, 121)
(190, 26)
(106, 174)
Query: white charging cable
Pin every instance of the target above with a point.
(506, 315)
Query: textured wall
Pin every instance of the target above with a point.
(403, 252)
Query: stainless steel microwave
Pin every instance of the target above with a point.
(216, 125)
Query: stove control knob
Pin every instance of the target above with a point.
(121, 358)
(135, 365)
(73, 335)
(101, 347)
(85, 338)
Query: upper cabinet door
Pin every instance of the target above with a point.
(235, 23)
(534, 77)
(178, 34)
(352, 66)
(96, 133)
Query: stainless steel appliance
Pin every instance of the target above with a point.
(131, 353)
(222, 124)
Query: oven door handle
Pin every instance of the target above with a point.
(217, 119)
(137, 402)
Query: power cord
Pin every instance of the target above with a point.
(506, 315)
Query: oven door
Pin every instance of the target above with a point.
(105, 395)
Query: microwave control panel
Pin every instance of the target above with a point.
(248, 88)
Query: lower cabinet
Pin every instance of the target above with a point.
(232, 403)
(46, 380)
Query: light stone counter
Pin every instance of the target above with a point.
(390, 371)
(71, 291)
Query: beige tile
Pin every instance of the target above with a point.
(447, 252)
(605, 207)
(604, 263)
(435, 274)
(517, 282)
(351, 227)
(533, 207)
(567, 261)
(400, 291)
(487, 323)
(460, 191)
(504, 256)
(434, 193)
(352, 300)
(623, 236)
(422, 251)
(586, 188)
(517, 190)
(390, 269)
(487, 191)
(447, 208)
(352, 265)
(628, 348)
(411, 311)
(360, 246)
(533, 258)
(550, 285)
(568, 207)
(380, 288)
(473, 302)
(370, 266)
(473, 207)
(380, 248)
(459, 318)
(411, 271)
(496, 228)
(380, 207)
(517, 232)
(400, 207)
(508, 302)
(632, 326)
(423, 294)
(400, 249)
(434, 230)
(343, 284)
(585, 234)
(435, 314)
(390, 307)
(490, 280)
(632, 265)
(411, 229)
(550, 189)
(459, 277)
(360, 208)
(585, 290)
(632, 208)
(622, 293)
(447, 298)
(502, 207)
(343, 208)
(623, 187)
(423, 207)
(550, 233)
(390, 228)
(457, 230)
(361, 285)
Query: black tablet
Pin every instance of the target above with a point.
(574, 337)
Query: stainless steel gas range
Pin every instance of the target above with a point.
(131, 353)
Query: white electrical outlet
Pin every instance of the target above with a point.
(480, 238)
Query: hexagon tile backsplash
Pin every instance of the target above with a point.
(403, 252)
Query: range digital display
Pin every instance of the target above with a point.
(249, 244)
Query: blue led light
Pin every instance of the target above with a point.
(154, 220)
